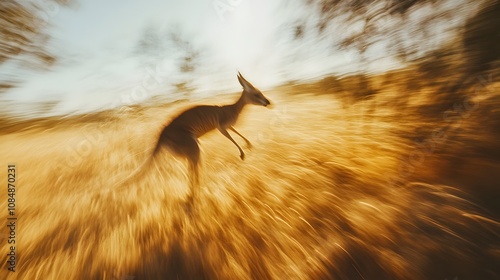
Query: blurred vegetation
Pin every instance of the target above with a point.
(381, 20)
(156, 45)
(314, 199)
(455, 68)
(447, 100)
(23, 36)
(187, 64)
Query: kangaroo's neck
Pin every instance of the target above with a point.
(238, 105)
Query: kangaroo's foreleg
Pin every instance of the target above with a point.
(228, 136)
(249, 145)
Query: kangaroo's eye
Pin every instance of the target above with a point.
(255, 95)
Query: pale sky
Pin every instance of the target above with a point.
(100, 67)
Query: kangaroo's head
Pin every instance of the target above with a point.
(252, 94)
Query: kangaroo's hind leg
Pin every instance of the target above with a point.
(193, 157)
(185, 145)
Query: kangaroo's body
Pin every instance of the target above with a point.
(181, 135)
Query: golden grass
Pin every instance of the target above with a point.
(324, 194)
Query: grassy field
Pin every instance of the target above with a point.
(335, 187)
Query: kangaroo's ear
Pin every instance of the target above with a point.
(244, 83)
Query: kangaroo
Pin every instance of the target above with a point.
(181, 135)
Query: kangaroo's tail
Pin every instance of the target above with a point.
(141, 169)
(163, 142)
